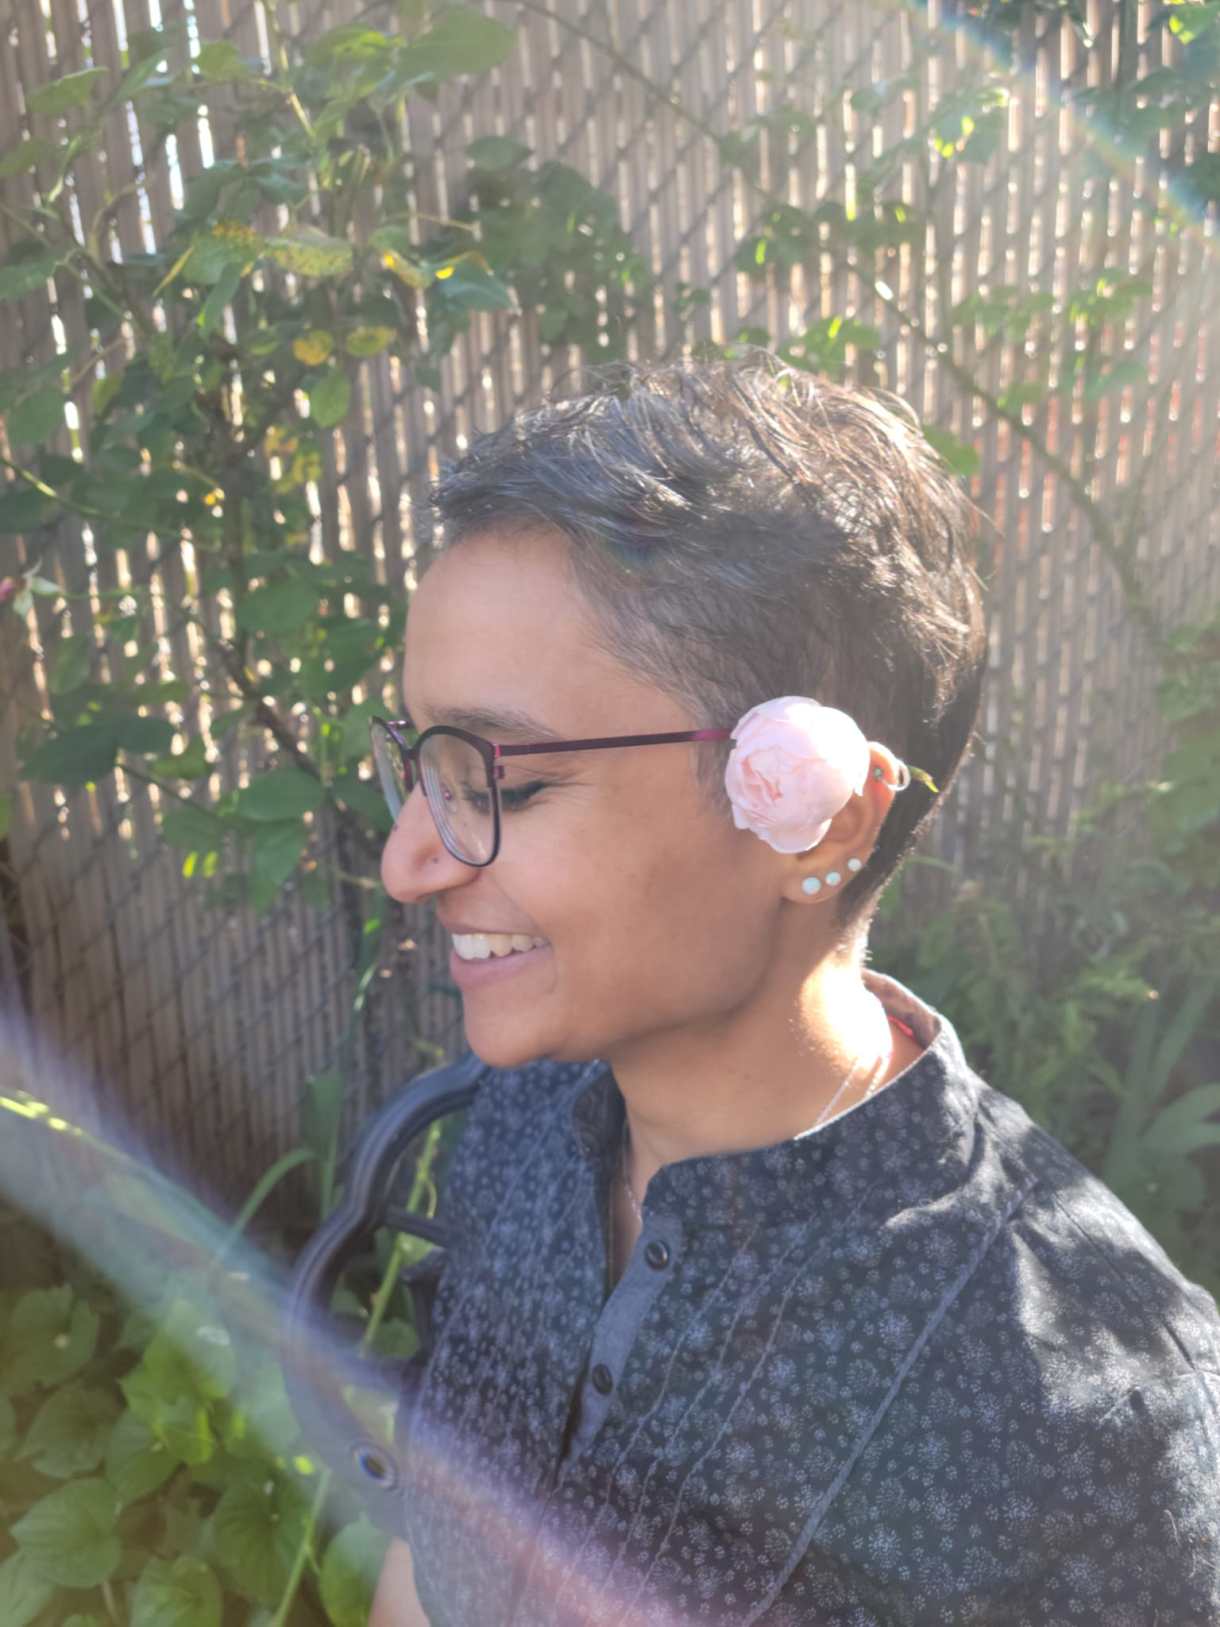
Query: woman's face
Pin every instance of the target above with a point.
(658, 914)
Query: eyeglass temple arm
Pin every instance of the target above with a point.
(605, 742)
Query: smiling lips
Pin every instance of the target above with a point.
(485, 945)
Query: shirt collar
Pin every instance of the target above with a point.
(922, 1119)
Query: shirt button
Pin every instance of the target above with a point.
(602, 1379)
(657, 1255)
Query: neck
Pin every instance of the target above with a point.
(722, 1087)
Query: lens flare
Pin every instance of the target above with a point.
(226, 1307)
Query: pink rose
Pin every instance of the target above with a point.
(8, 589)
(794, 765)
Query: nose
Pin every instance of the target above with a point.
(415, 863)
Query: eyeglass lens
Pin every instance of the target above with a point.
(455, 784)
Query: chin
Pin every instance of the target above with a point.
(501, 1049)
(504, 1050)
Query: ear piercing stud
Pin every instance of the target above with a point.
(812, 885)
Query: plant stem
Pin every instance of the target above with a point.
(381, 1301)
(112, 1609)
(304, 1551)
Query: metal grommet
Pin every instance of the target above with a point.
(375, 1466)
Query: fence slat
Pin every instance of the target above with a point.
(200, 1024)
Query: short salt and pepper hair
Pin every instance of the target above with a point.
(744, 530)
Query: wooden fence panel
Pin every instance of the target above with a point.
(200, 1024)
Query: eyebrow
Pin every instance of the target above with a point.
(493, 722)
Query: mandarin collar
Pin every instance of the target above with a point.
(924, 1118)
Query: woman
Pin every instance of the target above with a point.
(773, 1312)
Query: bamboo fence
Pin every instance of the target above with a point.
(194, 1027)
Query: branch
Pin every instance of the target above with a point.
(1103, 528)
(40, 485)
(264, 712)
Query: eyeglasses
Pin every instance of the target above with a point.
(460, 774)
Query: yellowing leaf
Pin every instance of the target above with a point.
(313, 348)
(367, 341)
(310, 253)
(405, 270)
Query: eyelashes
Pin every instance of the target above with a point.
(516, 796)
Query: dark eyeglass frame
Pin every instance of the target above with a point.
(492, 752)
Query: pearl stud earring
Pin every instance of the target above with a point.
(812, 885)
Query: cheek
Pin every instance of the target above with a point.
(680, 910)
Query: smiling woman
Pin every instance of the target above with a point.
(760, 1306)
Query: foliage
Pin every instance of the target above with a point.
(221, 365)
(223, 362)
(1105, 1023)
(152, 1470)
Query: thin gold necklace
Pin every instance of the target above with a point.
(878, 1069)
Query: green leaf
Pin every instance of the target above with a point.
(285, 793)
(142, 735)
(350, 43)
(26, 155)
(190, 1353)
(461, 41)
(354, 741)
(188, 764)
(368, 341)
(1176, 1128)
(25, 276)
(146, 53)
(70, 1431)
(24, 509)
(471, 286)
(253, 1541)
(277, 851)
(48, 1337)
(181, 1425)
(280, 609)
(218, 301)
(322, 1111)
(308, 252)
(37, 418)
(1118, 377)
(70, 664)
(349, 1573)
(330, 399)
(212, 257)
(136, 1462)
(69, 1537)
(221, 61)
(179, 1592)
(365, 798)
(961, 458)
(188, 1364)
(497, 152)
(321, 1116)
(8, 1428)
(23, 1591)
(195, 829)
(73, 758)
(6, 815)
(268, 1425)
(72, 90)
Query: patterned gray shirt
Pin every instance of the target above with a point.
(916, 1368)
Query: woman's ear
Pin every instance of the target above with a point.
(846, 846)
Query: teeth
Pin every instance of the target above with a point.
(481, 945)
